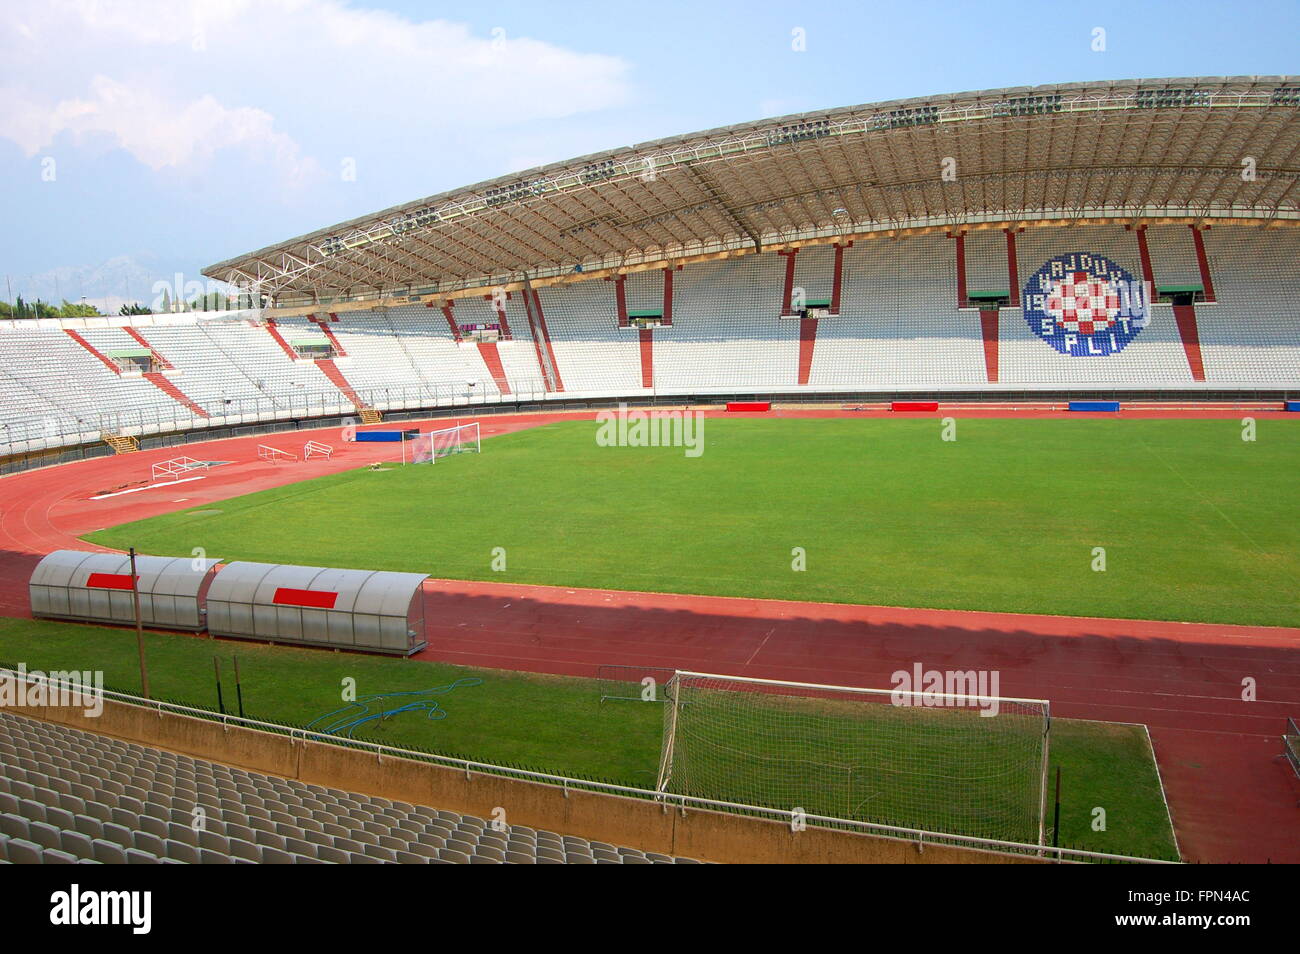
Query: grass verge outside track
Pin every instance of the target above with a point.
(551, 723)
(1196, 524)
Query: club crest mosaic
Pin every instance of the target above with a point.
(1084, 305)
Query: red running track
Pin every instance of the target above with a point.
(1232, 796)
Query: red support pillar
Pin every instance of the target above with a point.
(838, 279)
(668, 295)
(961, 269)
(620, 299)
(1148, 273)
(788, 292)
(1206, 283)
(1013, 270)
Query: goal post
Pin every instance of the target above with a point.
(431, 447)
(949, 763)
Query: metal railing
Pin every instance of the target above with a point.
(673, 800)
(17, 437)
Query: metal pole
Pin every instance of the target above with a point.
(139, 628)
(1056, 821)
(239, 690)
(221, 703)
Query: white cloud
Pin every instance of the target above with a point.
(174, 81)
(160, 132)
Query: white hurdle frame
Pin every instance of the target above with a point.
(274, 454)
(174, 467)
(318, 449)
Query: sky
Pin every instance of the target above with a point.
(144, 140)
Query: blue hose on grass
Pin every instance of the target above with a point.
(346, 720)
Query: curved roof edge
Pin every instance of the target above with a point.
(758, 126)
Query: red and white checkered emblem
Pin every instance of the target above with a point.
(1083, 304)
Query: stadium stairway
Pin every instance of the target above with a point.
(989, 332)
(1185, 316)
(323, 325)
(492, 359)
(647, 336)
(94, 351)
(807, 342)
(274, 332)
(546, 362)
(158, 380)
(122, 443)
(140, 339)
(451, 321)
(155, 378)
(331, 371)
(73, 797)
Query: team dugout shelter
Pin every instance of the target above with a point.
(372, 610)
(96, 588)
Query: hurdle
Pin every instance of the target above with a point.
(175, 467)
(273, 454)
(316, 449)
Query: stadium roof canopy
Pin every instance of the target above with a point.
(1207, 148)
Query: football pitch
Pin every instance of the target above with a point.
(1148, 519)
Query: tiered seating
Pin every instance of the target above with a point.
(1154, 359)
(1252, 335)
(446, 366)
(595, 355)
(227, 362)
(899, 326)
(899, 329)
(69, 797)
(726, 332)
(46, 363)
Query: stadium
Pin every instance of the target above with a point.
(909, 482)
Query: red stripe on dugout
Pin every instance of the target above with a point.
(317, 599)
(109, 581)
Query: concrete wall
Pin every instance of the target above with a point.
(704, 835)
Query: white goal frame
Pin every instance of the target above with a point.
(924, 698)
(471, 443)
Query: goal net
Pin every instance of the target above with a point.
(950, 763)
(433, 446)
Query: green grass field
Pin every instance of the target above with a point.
(1197, 524)
(556, 724)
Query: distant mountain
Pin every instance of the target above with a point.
(123, 279)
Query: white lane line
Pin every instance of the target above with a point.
(136, 490)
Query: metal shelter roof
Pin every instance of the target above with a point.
(1126, 149)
